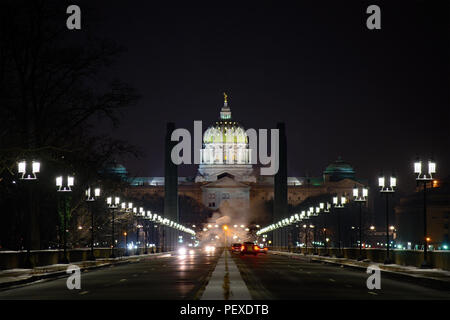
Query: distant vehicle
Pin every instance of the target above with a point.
(263, 248)
(182, 251)
(236, 247)
(210, 249)
(249, 248)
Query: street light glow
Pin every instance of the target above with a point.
(431, 167)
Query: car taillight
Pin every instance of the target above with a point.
(242, 248)
(266, 248)
(256, 248)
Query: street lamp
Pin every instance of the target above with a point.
(146, 224)
(314, 237)
(113, 204)
(387, 190)
(360, 195)
(91, 197)
(22, 170)
(305, 226)
(65, 189)
(339, 203)
(325, 207)
(126, 207)
(141, 213)
(126, 242)
(424, 178)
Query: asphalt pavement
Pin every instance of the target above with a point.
(270, 276)
(266, 276)
(165, 278)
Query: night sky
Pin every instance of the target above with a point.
(377, 98)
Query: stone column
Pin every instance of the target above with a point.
(170, 190)
(280, 204)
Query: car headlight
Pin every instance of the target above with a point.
(182, 251)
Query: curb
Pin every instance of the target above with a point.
(57, 274)
(413, 278)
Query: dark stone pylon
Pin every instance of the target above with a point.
(280, 204)
(170, 191)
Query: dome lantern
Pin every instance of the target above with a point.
(225, 113)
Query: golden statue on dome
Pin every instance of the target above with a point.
(225, 97)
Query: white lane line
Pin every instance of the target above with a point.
(332, 280)
(122, 280)
(375, 294)
(83, 292)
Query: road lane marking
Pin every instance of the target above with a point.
(226, 282)
(83, 292)
(375, 294)
(332, 280)
(122, 280)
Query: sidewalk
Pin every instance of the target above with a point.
(13, 277)
(436, 278)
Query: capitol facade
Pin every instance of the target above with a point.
(227, 178)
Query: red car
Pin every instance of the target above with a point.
(250, 248)
(236, 247)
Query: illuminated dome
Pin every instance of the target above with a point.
(339, 170)
(225, 141)
(225, 132)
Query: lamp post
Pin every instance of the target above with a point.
(65, 189)
(24, 176)
(387, 190)
(126, 207)
(141, 213)
(22, 169)
(113, 204)
(305, 227)
(424, 178)
(311, 226)
(360, 196)
(306, 215)
(89, 199)
(147, 219)
(325, 207)
(316, 214)
(126, 242)
(153, 231)
(339, 203)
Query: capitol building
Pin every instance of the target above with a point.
(226, 176)
(225, 150)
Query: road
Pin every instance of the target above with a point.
(165, 278)
(186, 277)
(279, 277)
